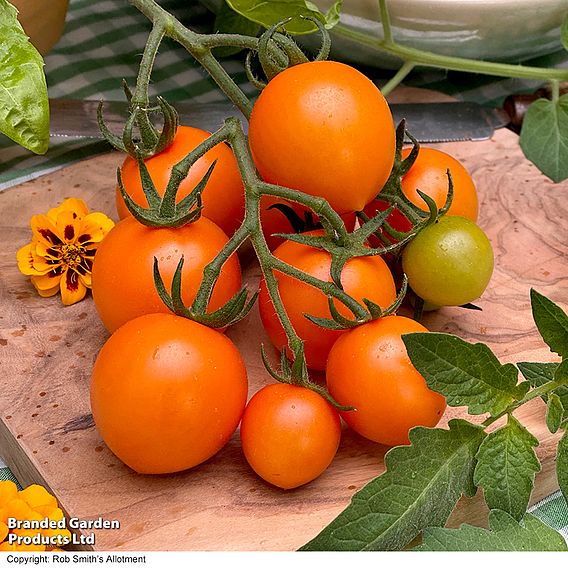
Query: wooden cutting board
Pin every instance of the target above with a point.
(47, 351)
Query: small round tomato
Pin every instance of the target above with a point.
(362, 277)
(223, 196)
(274, 221)
(449, 263)
(368, 368)
(429, 175)
(289, 434)
(122, 277)
(167, 393)
(325, 129)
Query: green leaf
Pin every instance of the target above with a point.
(544, 137)
(538, 374)
(562, 465)
(551, 321)
(419, 488)
(506, 466)
(505, 534)
(24, 108)
(229, 21)
(466, 374)
(269, 13)
(564, 32)
(554, 413)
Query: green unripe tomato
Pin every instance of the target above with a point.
(450, 262)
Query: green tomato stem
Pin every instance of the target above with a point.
(400, 75)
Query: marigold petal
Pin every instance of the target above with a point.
(3, 531)
(72, 204)
(45, 231)
(6, 547)
(25, 260)
(48, 293)
(29, 547)
(94, 227)
(37, 496)
(19, 509)
(72, 289)
(8, 491)
(48, 281)
(68, 225)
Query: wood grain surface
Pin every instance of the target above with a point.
(47, 352)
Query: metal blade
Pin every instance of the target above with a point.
(427, 122)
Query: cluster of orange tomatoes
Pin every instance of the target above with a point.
(168, 393)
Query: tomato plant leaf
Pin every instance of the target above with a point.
(554, 413)
(269, 13)
(537, 374)
(229, 21)
(504, 533)
(466, 374)
(544, 137)
(419, 488)
(24, 108)
(564, 32)
(551, 321)
(506, 466)
(562, 464)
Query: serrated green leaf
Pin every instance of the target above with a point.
(554, 413)
(550, 319)
(506, 466)
(24, 108)
(564, 32)
(466, 374)
(419, 488)
(538, 374)
(562, 465)
(505, 534)
(229, 21)
(561, 374)
(269, 13)
(544, 137)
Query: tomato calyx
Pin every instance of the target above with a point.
(233, 311)
(151, 141)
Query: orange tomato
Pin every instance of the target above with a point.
(167, 393)
(122, 278)
(428, 174)
(362, 277)
(325, 129)
(289, 434)
(368, 368)
(223, 196)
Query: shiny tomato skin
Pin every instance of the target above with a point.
(325, 129)
(450, 262)
(362, 277)
(123, 283)
(167, 393)
(368, 368)
(223, 196)
(274, 221)
(289, 434)
(428, 174)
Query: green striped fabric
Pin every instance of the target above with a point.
(102, 44)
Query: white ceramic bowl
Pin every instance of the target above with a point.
(500, 30)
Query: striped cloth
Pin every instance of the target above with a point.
(103, 42)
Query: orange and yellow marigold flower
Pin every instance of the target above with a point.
(60, 256)
(34, 503)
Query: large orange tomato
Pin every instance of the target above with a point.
(325, 129)
(289, 434)
(368, 368)
(428, 174)
(362, 277)
(123, 283)
(223, 197)
(167, 393)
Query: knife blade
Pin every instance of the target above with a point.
(427, 122)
